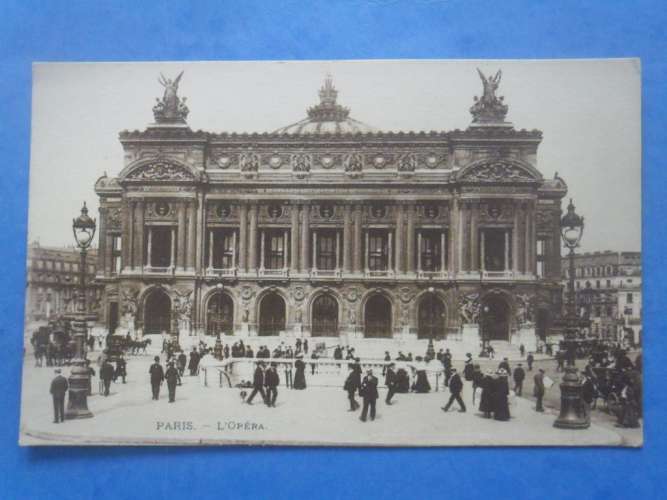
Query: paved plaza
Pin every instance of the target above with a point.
(317, 415)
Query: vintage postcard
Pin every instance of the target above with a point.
(351, 253)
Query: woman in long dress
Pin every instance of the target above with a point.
(421, 382)
(300, 373)
(501, 409)
(486, 399)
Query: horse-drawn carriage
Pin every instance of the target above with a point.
(118, 344)
(53, 343)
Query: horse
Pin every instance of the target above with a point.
(136, 346)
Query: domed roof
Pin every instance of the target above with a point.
(327, 117)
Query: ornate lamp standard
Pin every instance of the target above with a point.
(83, 228)
(573, 414)
(217, 349)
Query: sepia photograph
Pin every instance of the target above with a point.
(411, 253)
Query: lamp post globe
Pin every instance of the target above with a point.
(83, 228)
(573, 411)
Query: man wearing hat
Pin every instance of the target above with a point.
(257, 383)
(538, 391)
(106, 375)
(519, 375)
(173, 377)
(455, 388)
(271, 381)
(59, 387)
(369, 392)
(390, 382)
(157, 376)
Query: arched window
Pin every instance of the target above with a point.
(324, 319)
(377, 314)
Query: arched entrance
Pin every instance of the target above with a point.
(431, 317)
(157, 313)
(495, 318)
(220, 315)
(542, 323)
(324, 318)
(271, 315)
(377, 314)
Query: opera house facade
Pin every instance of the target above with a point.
(329, 228)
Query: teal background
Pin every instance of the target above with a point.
(198, 30)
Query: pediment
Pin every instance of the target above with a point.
(499, 171)
(159, 170)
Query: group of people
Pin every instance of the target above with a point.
(366, 387)
(266, 380)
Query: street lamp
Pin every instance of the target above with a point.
(573, 414)
(83, 228)
(217, 349)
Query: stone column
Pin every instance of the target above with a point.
(453, 235)
(474, 237)
(357, 265)
(347, 236)
(507, 250)
(243, 237)
(482, 257)
(464, 213)
(366, 251)
(252, 239)
(180, 250)
(399, 239)
(337, 250)
(314, 261)
(172, 262)
(515, 239)
(533, 238)
(262, 249)
(285, 245)
(305, 238)
(102, 238)
(410, 237)
(527, 240)
(390, 251)
(192, 234)
(130, 245)
(294, 242)
(139, 239)
(419, 251)
(211, 246)
(443, 252)
(149, 247)
(108, 251)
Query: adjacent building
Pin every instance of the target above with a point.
(608, 290)
(53, 280)
(330, 228)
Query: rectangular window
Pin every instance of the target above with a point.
(58, 266)
(49, 264)
(275, 250)
(540, 257)
(430, 251)
(160, 251)
(326, 250)
(223, 249)
(629, 298)
(597, 283)
(497, 249)
(608, 283)
(377, 251)
(115, 255)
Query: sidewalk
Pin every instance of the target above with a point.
(315, 416)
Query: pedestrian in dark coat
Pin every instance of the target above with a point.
(106, 375)
(305, 346)
(538, 390)
(194, 362)
(390, 382)
(157, 376)
(519, 376)
(121, 369)
(181, 363)
(455, 388)
(58, 390)
(173, 378)
(469, 368)
(501, 407)
(504, 365)
(447, 365)
(271, 381)
(351, 387)
(257, 383)
(530, 359)
(369, 392)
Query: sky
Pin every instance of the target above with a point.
(588, 110)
